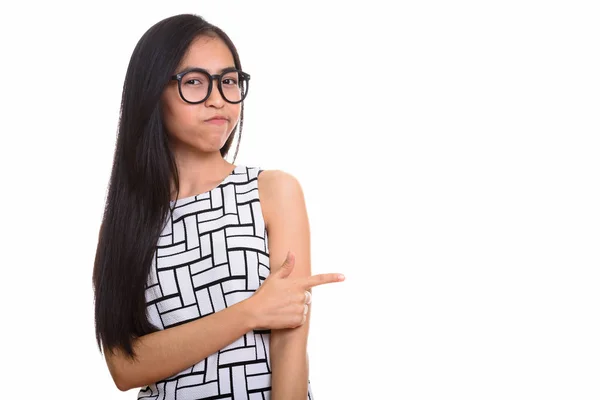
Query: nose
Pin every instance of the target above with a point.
(214, 98)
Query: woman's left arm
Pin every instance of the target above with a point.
(286, 220)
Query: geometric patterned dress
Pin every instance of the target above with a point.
(211, 254)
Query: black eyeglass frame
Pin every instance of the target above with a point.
(242, 75)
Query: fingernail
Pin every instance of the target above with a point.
(341, 277)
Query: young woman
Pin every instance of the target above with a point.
(202, 274)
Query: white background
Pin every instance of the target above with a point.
(449, 154)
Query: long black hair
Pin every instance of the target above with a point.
(137, 203)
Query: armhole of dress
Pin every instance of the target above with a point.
(262, 210)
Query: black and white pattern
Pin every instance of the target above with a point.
(213, 253)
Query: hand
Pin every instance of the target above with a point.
(281, 302)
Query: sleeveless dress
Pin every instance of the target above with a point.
(211, 254)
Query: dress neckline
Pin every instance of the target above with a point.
(185, 199)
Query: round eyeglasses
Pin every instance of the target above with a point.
(196, 84)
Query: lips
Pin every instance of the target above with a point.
(218, 120)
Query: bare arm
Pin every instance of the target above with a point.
(163, 354)
(288, 228)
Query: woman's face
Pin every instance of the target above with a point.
(189, 125)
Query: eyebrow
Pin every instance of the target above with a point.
(188, 67)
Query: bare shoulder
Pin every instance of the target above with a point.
(278, 182)
(279, 192)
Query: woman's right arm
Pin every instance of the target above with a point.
(277, 304)
(165, 353)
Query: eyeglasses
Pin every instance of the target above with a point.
(196, 84)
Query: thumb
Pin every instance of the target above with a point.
(288, 265)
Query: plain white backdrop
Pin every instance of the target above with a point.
(449, 155)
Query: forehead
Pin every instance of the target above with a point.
(210, 53)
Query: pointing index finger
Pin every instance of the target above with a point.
(322, 279)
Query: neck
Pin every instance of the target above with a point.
(198, 173)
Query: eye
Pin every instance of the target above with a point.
(230, 81)
(194, 79)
